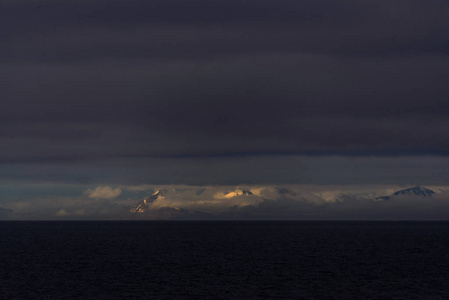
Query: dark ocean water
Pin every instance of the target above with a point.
(224, 260)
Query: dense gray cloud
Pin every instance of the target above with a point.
(413, 170)
(86, 30)
(224, 92)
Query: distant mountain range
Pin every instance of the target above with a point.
(147, 208)
(414, 191)
(234, 202)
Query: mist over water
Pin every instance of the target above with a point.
(224, 260)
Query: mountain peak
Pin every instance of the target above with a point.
(417, 190)
(414, 191)
(144, 205)
(157, 193)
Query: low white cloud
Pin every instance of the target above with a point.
(65, 213)
(103, 192)
(62, 213)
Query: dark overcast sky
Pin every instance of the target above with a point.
(224, 92)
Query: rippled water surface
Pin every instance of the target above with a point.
(224, 260)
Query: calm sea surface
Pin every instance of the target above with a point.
(224, 260)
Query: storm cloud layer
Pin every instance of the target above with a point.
(224, 92)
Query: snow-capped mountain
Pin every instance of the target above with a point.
(414, 191)
(144, 205)
(171, 203)
(146, 208)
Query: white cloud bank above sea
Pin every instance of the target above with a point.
(244, 202)
(103, 192)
